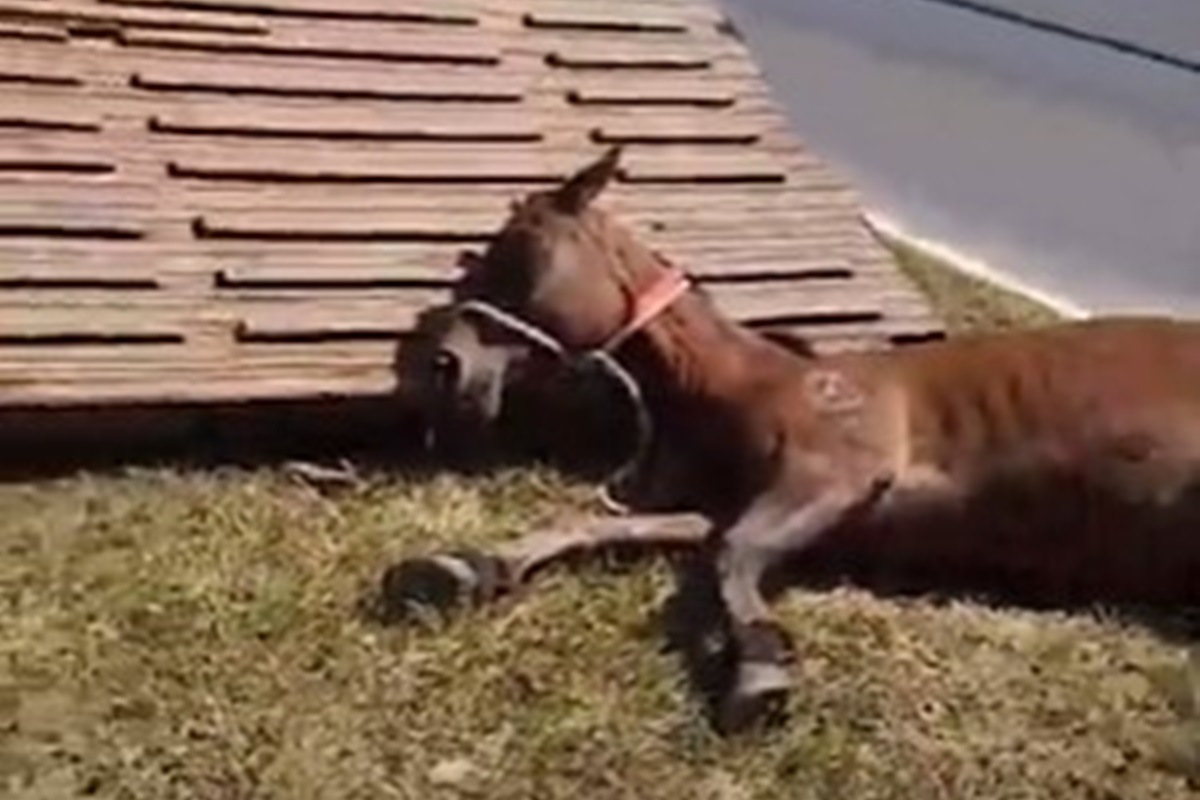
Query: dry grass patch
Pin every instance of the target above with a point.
(196, 636)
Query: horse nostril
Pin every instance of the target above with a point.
(446, 371)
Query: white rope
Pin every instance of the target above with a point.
(515, 324)
(642, 419)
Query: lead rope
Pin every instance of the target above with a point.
(642, 419)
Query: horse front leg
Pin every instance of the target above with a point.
(769, 530)
(456, 578)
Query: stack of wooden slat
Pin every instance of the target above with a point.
(227, 199)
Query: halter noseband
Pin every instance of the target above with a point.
(646, 307)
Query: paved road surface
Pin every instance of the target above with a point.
(1056, 140)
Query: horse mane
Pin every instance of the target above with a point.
(794, 343)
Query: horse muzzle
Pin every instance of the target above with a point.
(463, 393)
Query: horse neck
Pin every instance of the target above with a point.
(691, 358)
(692, 354)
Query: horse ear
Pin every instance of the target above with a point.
(578, 191)
(469, 261)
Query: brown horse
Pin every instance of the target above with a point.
(1062, 461)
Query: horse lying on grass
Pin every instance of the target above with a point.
(1062, 461)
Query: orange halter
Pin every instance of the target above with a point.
(649, 304)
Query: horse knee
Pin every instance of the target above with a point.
(740, 568)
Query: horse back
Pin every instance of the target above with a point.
(1074, 393)
(1061, 462)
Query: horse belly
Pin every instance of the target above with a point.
(1052, 539)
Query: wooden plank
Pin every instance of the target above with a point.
(252, 120)
(589, 57)
(437, 268)
(801, 254)
(326, 272)
(363, 167)
(10, 77)
(171, 384)
(132, 109)
(55, 151)
(83, 363)
(309, 319)
(618, 198)
(245, 376)
(245, 265)
(404, 163)
(765, 300)
(686, 123)
(523, 68)
(670, 95)
(57, 224)
(16, 161)
(418, 261)
(732, 254)
(432, 12)
(481, 217)
(35, 141)
(257, 371)
(38, 321)
(731, 79)
(78, 17)
(760, 225)
(319, 44)
(43, 268)
(31, 31)
(402, 262)
(765, 236)
(680, 166)
(113, 368)
(236, 359)
(112, 193)
(23, 112)
(626, 19)
(371, 319)
(694, 14)
(363, 226)
(628, 202)
(758, 220)
(311, 82)
(356, 274)
(677, 129)
(20, 69)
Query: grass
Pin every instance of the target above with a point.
(965, 302)
(196, 635)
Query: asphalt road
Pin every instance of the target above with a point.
(1057, 141)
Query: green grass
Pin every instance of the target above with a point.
(965, 302)
(196, 635)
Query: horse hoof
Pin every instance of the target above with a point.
(441, 583)
(757, 700)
